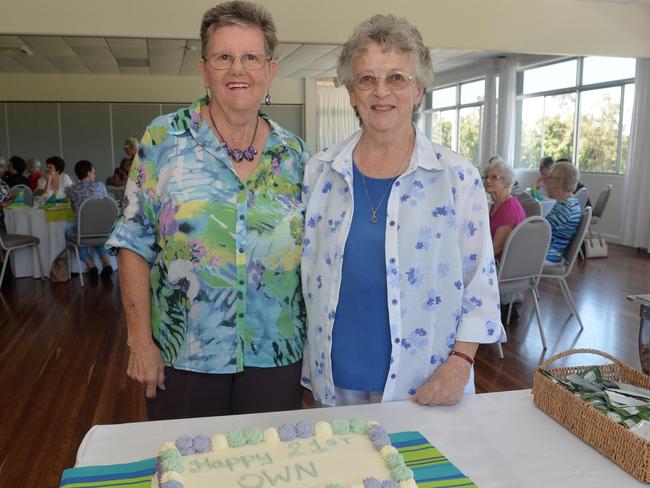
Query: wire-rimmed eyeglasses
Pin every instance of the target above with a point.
(397, 80)
(225, 60)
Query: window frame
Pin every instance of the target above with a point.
(578, 90)
(457, 106)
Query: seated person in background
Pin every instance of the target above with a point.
(506, 211)
(121, 174)
(6, 196)
(79, 193)
(55, 180)
(579, 185)
(565, 215)
(15, 170)
(540, 183)
(33, 172)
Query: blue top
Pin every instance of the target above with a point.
(361, 337)
(565, 220)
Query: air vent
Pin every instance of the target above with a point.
(132, 62)
(15, 51)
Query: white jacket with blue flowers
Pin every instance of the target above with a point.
(440, 269)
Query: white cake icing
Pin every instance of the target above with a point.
(322, 458)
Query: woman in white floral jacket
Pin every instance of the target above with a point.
(398, 270)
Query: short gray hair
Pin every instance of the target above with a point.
(500, 166)
(567, 174)
(132, 142)
(34, 162)
(389, 32)
(239, 13)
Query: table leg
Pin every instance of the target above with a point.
(644, 338)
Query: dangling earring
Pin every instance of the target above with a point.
(207, 95)
(267, 99)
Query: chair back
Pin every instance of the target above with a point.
(571, 252)
(531, 207)
(525, 249)
(582, 195)
(28, 196)
(95, 219)
(601, 203)
(520, 195)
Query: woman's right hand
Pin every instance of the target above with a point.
(146, 367)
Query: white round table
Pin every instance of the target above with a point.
(31, 221)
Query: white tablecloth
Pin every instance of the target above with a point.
(31, 221)
(547, 205)
(497, 439)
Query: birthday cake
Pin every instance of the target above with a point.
(337, 454)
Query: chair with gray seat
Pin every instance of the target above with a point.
(95, 218)
(531, 207)
(11, 242)
(599, 210)
(560, 271)
(28, 196)
(522, 261)
(117, 192)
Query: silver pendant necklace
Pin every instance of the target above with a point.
(373, 210)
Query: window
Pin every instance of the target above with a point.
(579, 109)
(454, 116)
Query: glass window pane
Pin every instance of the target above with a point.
(598, 69)
(559, 116)
(470, 133)
(443, 128)
(532, 128)
(551, 77)
(472, 92)
(628, 105)
(445, 97)
(599, 117)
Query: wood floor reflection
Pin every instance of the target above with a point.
(63, 356)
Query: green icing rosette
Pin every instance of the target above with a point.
(253, 435)
(358, 426)
(236, 438)
(340, 426)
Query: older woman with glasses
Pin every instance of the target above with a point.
(210, 238)
(398, 271)
(506, 211)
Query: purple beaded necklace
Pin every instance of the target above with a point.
(237, 154)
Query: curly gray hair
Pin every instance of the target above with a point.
(498, 165)
(389, 32)
(240, 13)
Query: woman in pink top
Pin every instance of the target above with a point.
(506, 211)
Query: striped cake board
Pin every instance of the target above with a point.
(430, 467)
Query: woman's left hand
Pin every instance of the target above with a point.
(446, 384)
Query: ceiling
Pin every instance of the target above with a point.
(112, 55)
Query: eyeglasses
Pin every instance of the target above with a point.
(492, 178)
(225, 60)
(396, 80)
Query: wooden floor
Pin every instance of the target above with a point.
(63, 356)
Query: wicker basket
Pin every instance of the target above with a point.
(629, 451)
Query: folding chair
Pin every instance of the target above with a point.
(559, 271)
(11, 242)
(522, 261)
(599, 209)
(95, 218)
(582, 195)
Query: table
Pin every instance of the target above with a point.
(497, 439)
(51, 232)
(546, 205)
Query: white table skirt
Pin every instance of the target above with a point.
(546, 205)
(31, 221)
(497, 439)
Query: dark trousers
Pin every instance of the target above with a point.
(189, 394)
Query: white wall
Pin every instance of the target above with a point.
(610, 225)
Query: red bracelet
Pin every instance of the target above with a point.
(462, 355)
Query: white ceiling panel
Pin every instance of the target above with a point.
(45, 50)
(94, 51)
(166, 43)
(126, 43)
(98, 61)
(11, 41)
(86, 41)
(45, 40)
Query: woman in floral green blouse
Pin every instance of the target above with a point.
(210, 238)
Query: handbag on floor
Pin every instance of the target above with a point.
(59, 269)
(595, 248)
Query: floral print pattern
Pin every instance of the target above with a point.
(440, 269)
(224, 253)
